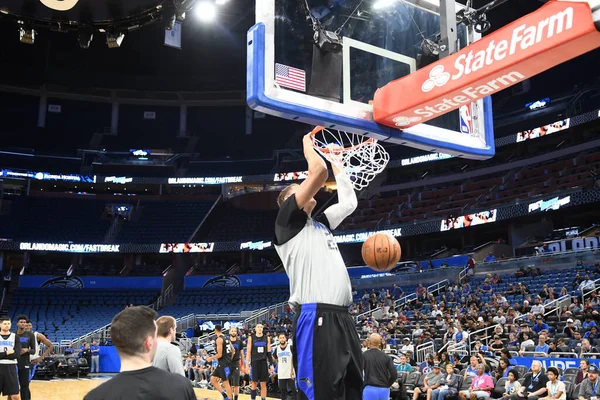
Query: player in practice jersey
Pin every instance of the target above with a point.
(238, 354)
(259, 347)
(224, 352)
(36, 357)
(285, 367)
(326, 352)
(10, 349)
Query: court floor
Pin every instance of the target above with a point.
(76, 389)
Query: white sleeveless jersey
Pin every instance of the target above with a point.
(36, 347)
(8, 343)
(311, 258)
(284, 362)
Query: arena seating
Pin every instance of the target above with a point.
(77, 220)
(67, 314)
(454, 198)
(230, 224)
(164, 221)
(225, 300)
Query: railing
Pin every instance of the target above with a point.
(462, 275)
(422, 350)
(252, 318)
(459, 349)
(409, 298)
(556, 304)
(590, 291)
(485, 338)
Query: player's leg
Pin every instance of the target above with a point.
(253, 380)
(263, 377)
(234, 380)
(11, 383)
(216, 378)
(24, 383)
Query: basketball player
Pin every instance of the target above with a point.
(222, 372)
(24, 361)
(39, 338)
(259, 346)
(326, 352)
(10, 349)
(133, 333)
(285, 367)
(238, 354)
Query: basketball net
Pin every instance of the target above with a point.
(362, 158)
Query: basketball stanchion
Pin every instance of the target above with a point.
(361, 157)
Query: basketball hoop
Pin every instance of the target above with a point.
(361, 157)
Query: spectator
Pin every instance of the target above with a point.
(490, 258)
(471, 265)
(544, 293)
(397, 292)
(486, 287)
(407, 346)
(589, 387)
(538, 307)
(588, 323)
(512, 384)
(575, 342)
(520, 272)
(582, 374)
(527, 342)
(540, 324)
(502, 369)
(586, 348)
(555, 388)
(534, 386)
(481, 386)
(432, 382)
(404, 366)
(586, 285)
(570, 329)
(500, 318)
(579, 266)
(542, 349)
(449, 385)
(472, 368)
(592, 334)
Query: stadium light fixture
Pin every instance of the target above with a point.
(26, 35)
(221, 2)
(114, 40)
(206, 11)
(380, 4)
(85, 36)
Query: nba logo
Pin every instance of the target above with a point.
(465, 120)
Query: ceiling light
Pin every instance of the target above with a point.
(26, 35)
(114, 40)
(206, 11)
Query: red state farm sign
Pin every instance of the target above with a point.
(555, 33)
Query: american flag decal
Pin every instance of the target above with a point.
(290, 77)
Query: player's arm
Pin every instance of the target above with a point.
(347, 201)
(219, 350)
(317, 174)
(17, 349)
(249, 347)
(242, 357)
(174, 361)
(49, 348)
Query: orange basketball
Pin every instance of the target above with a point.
(381, 252)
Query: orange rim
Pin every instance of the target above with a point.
(319, 128)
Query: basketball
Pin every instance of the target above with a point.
(381, 252)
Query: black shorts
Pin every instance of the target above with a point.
(327, 354)
(9, 379)
(259, 371)
(222, 371)
(234, 377)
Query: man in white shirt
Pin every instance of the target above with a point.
(538, 307)
(500, 318)
(407, 346)
(168, 356)
(587, 284)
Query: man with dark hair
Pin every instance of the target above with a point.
(238, 354)
(168, 356)
(133, 333)
(259, 347)
(27, 341)
(10, 349)
(36, 357)
(224, 351)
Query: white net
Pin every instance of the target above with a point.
(361, 157)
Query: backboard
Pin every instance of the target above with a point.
(333, 83)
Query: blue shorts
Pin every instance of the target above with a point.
(376, 393)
